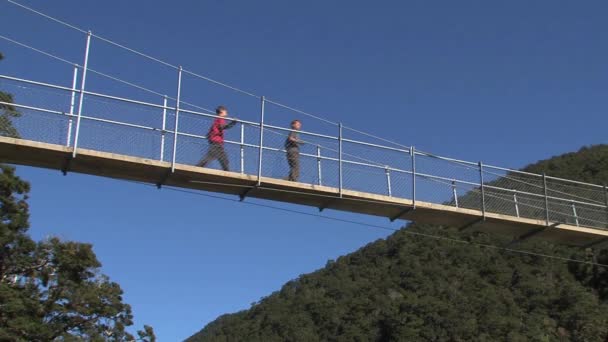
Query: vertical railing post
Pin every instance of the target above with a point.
(546, 199)
(413, 157)
(574, 212)
(72, 105)
(242, 148)
(516, 204)
(455, 193)
(176, 124)
(340, 168)
(320, 176)
(163, 130)
(263, 100)
(606, 202)
(85, 66)
(483, 191)
(388, 181)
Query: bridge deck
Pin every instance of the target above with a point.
(51, 156)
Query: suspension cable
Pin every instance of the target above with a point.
(375, 226)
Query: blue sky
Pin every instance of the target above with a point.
(508, 83)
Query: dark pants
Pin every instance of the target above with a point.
(293, 159)
(215, 151)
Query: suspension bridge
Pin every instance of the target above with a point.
(82, 119)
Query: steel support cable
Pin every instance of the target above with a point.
(168, 64)
(131, 84)
(302, 112)
(47, 16)
(165, 63)
(109, 41)
(376, 137)
(378, 165)
(490, 195)
(36, 50)
(404, 230)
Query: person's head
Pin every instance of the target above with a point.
(221, 111)
(296, 124)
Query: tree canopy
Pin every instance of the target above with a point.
(410, 287)
(51, 289)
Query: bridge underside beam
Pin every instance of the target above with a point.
(25, 152)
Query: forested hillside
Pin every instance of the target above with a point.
(409, 288)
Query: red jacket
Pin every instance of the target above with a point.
(216, 132)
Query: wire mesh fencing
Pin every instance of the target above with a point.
(39, 113)
(385, 170)
(49, 113)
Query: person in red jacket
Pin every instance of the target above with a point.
(216, 140)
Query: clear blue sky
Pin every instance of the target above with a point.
(508, 83)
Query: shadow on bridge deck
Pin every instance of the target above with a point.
(31, 153)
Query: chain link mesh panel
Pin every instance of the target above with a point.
(375, 169)
(136, 129)
(31, 124)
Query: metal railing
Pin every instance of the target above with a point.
(173, 133)
(172, 130)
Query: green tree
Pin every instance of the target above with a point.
(53, 290)
(7, 113)
(412, 288)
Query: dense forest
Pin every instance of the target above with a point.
(411, 288)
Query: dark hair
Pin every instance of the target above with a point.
(294, 121)
(220, 109)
